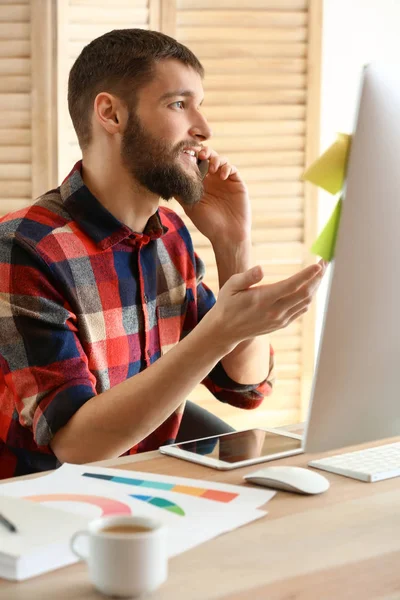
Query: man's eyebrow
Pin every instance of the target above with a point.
(184, 93)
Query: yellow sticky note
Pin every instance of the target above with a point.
(329, 170)
(324, 246)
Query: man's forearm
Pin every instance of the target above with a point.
(248, 363)
(109, 424)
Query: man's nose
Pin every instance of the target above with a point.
(201, 130)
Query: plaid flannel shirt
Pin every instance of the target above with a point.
(85, 303)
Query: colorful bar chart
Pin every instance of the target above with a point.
(209, 494)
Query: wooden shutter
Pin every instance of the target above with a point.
(15, 105)
(261, 97)
(79, 22)
(27, 102)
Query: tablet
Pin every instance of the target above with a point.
(237, 449)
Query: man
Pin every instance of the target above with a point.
(106, 325)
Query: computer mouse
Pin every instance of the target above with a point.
(290, 479)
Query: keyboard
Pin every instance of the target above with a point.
(372, 464)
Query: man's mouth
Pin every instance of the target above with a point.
(189, 157)
(191, 153)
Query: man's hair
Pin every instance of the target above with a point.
(118, 62)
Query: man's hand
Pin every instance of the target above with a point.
(243, 311)
(224, 210)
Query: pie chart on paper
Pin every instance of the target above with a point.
(161, 503)
(104, 506)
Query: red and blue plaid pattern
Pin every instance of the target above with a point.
(85, 303)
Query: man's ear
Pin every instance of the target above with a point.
(109, 112)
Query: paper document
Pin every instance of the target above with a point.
(41, 542)
(194, 510)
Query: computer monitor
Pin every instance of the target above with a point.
(356, 389)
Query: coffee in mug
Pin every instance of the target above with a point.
(125, 529)
(127, 555)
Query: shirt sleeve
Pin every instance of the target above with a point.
(218, 381)
(46, 369)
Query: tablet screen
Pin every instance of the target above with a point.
(242, 445)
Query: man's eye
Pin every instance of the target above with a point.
(179, 104)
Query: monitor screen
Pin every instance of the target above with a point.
(355, 396)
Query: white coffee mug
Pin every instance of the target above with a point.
(121, 562)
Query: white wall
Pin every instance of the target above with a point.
(354, 33)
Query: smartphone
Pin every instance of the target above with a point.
(237, 449)
(203, 168)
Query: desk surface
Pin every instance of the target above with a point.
(342, 544)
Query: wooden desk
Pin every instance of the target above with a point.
(344, 544)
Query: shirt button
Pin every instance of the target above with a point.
(145, 298)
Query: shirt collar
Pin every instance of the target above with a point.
(91, 216)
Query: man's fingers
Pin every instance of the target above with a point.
(216, 162)
(324, 263)
(295, 282)
(242, 281)
(296, 315)
(307, 290)
(303, 296)
(303, 305)
(205, 153)
(225, 171)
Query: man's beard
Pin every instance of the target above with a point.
(154, 164)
